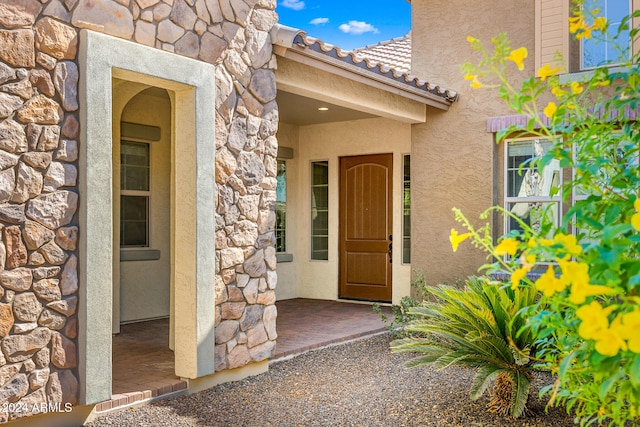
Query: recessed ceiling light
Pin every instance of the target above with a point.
(323, 108)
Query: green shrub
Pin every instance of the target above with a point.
(477, 327)
(400, 312)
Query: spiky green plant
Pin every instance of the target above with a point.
(477, 326)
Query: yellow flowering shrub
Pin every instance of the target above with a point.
(587, 269)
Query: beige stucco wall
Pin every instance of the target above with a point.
(145, 285)
(319, 279)
(287, 271)
(454, 159)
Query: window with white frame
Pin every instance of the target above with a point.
(529, 193)
(134, 194)
(595, 52)
(320, 210)
(281, 207)
(406, 211)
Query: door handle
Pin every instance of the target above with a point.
(390, 252)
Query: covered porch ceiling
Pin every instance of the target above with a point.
(303, 111)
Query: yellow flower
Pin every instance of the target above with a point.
(574, 272)
(635, 218)
(456, 238)
(630, 327)
(518, 56)
(580, 291)
(579, 27)
(528, 260)
(558, 92)
(549, 284)
(545, 242)
(594, 320)
(569, 242)
(585, 33)
(547, 71)
(475, 83)
(550, 109)
(576, 88)
(507, 247)
(471, 39)
(599, 23)
(517, 276)
(576, 23)
(610, 342)
(603, 83)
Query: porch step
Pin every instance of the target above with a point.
(154, 391)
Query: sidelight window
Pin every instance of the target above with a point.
(281, 207)
(320, 210)
(406, 211)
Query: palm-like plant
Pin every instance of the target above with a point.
(478, 326)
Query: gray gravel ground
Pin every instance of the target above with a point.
(354, 384)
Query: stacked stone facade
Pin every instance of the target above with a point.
(39, 138)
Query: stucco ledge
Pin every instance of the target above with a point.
(203, 383)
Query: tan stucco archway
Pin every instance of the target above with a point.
(192, 89)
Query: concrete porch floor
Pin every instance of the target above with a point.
(143, 363)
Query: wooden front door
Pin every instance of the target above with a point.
(365, 227)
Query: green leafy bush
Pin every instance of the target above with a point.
(477, 327)
(401, 317)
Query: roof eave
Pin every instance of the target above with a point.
(283, 38)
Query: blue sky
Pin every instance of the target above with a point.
(349, 23)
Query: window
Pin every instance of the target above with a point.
(134, 194)
(320, 210)
(554, 37)
(528, 191)
(406, 211)
(281, 207)
(612, 51)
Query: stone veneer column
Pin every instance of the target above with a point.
(39, 128)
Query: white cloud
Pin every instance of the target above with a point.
(319, 21)
(293, 4)
(358, 27)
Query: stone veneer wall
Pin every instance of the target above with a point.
(39, 128)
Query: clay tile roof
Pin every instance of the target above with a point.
(394, 53)
(390, 69)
